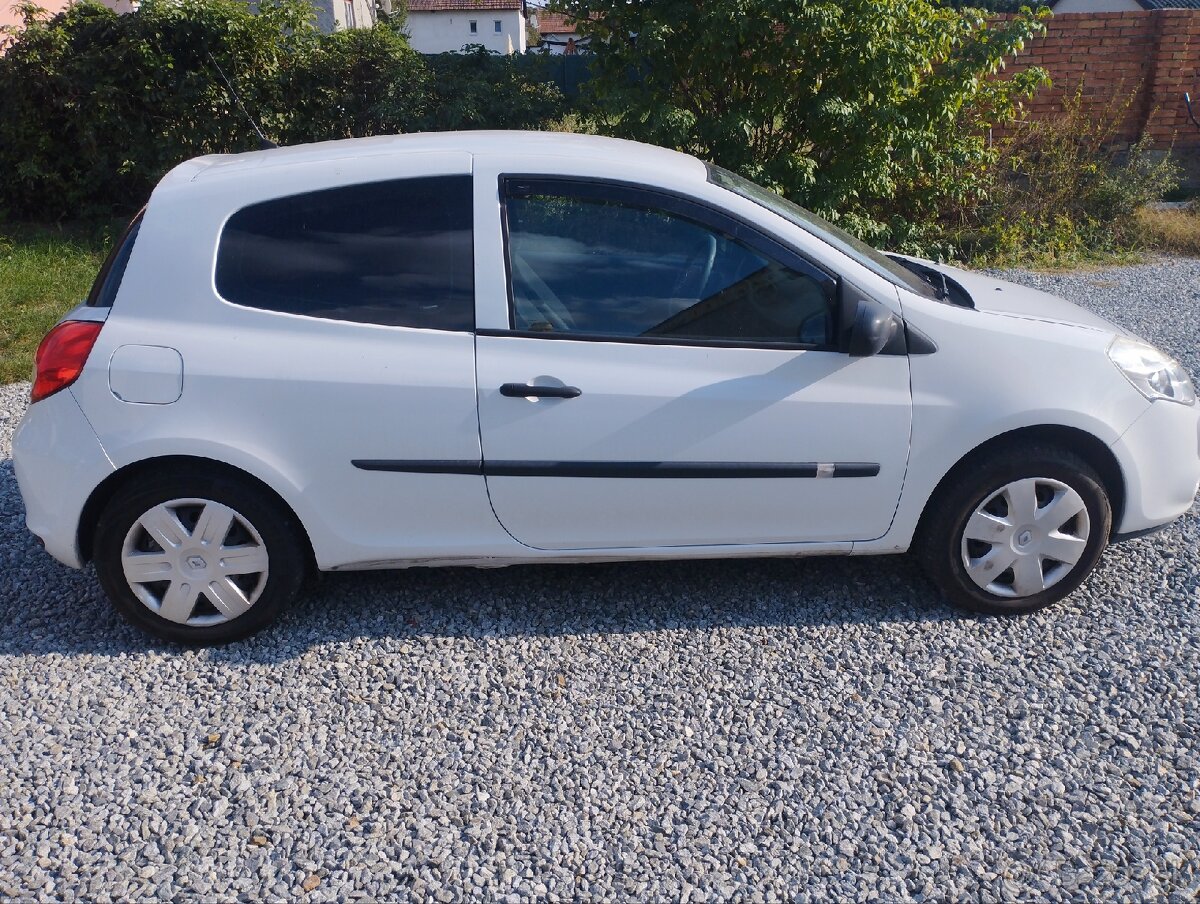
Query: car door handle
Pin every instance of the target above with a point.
(525, 390)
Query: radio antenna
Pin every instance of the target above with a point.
(264, 142)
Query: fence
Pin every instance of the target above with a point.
(568, 72)
(1143, 59)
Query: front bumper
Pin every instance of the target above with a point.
(58, 462)
(1160, 460)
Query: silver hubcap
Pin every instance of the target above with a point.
(1025, 537)
(195, 562)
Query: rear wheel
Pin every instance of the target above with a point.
(201, 560)
(1015, 532)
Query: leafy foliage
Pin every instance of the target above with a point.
(477, 89)
(1067, 187)
(872, 111)
(350, 84)
(95, 107)
(996, 6)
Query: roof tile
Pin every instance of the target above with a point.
(555, 23)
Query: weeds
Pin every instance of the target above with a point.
(44, 271)
(1174, 230)
(1064, 190)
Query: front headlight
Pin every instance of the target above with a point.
(1153, 374)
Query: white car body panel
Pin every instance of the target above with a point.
(994, 373)
(1000, 297)
(1157, 495)
(58, 462)
(295, 400)
(146, 374)
(679, 404)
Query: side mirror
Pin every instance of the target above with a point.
(874, 327)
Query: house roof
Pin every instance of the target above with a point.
(555, 23)
(441, 6)
(1169, 4)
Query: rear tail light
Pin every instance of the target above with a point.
(61, 356)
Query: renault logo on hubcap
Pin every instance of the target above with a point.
(1024, 537)
(196, 562)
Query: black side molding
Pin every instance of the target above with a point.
(625, 469)
(414, 466)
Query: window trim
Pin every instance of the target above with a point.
(700, 212)
(97, 288)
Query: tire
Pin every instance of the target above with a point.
(187, 595)
(983, 551)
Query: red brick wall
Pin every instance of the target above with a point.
(1152, 56)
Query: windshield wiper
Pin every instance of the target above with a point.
(944, 287)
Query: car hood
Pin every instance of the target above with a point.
(995, 296)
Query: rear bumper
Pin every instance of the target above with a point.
(58, 462)
(1160, 459)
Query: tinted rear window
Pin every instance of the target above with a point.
(104, 289)
(393, 253)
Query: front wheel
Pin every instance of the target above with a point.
(199, 560)
(1015, 532)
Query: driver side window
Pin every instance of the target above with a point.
(616, 267)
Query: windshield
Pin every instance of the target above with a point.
(875, 261)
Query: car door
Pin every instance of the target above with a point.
(670, 377)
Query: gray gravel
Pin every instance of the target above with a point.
(747, 729)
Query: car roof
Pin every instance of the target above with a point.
(542, 144)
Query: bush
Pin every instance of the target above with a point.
(481, 90)
(350, 84)
(1067, 187)
(369, 82)
(95, 107)
(874, 112)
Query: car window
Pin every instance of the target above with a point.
(874, 260)
(108, 281)
(613, 268)
(396, 253)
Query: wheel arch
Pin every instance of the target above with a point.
(144, 468)
(1072, 439)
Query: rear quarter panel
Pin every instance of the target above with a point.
(293, 400)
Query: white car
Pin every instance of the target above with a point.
(491, 348)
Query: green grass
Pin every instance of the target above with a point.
(44, 272)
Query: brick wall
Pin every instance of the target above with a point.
(1152, 56)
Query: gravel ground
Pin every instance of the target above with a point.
(749, 729)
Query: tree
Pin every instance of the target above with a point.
(95, 106)
(872, 111)
(996, 6)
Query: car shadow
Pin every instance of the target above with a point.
(46, 607)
